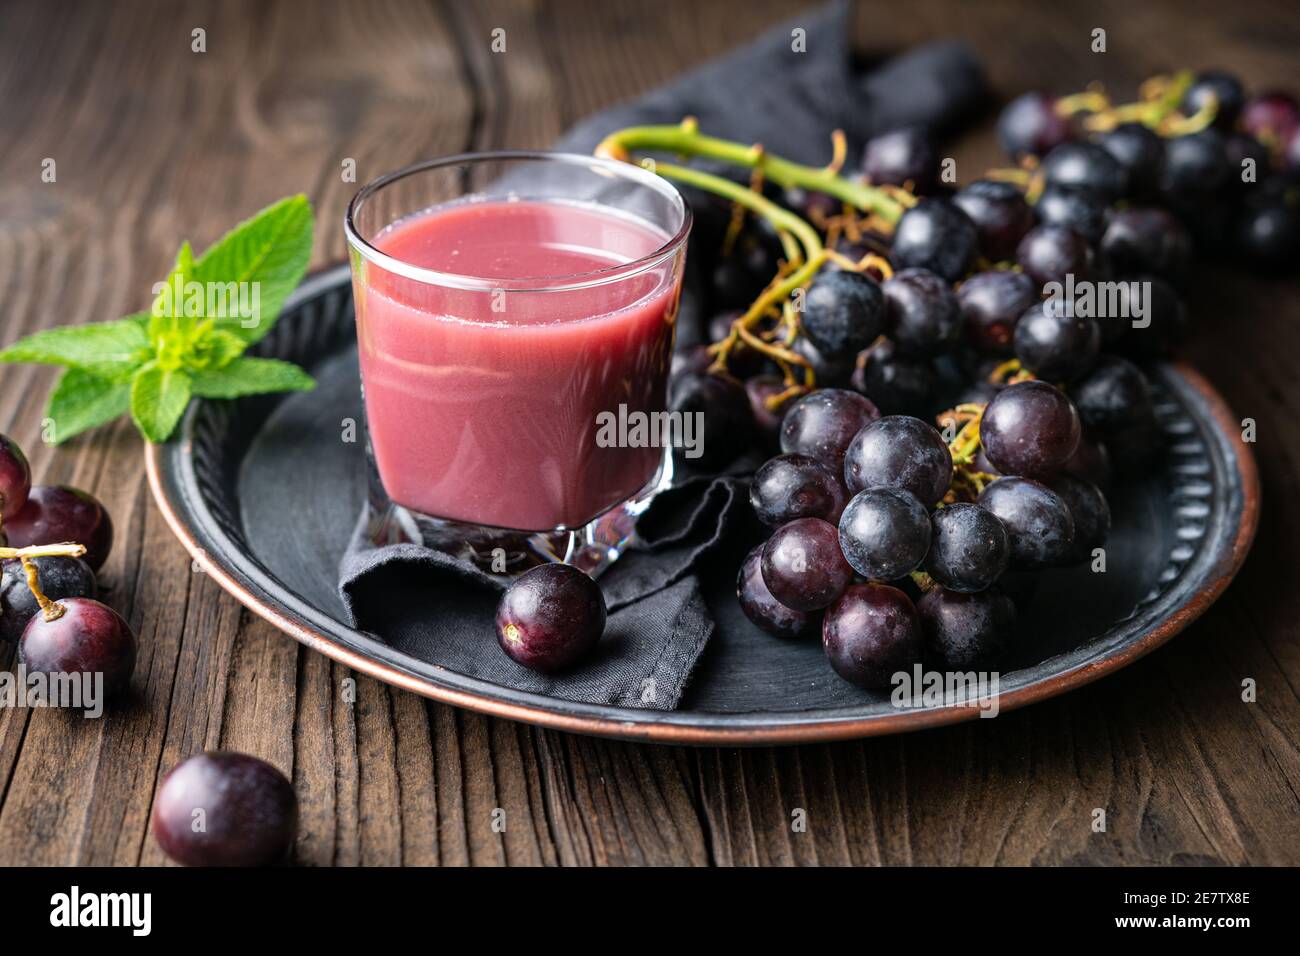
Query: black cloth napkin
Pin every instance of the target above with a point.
(442, 608)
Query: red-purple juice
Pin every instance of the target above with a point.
(482, 402)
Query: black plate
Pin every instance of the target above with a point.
(1180, 535)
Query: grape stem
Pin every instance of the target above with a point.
(685, 139)
(51, 610)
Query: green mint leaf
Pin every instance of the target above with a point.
(170, 316)
(252, 376)
(265, 257)
(81, 401)
(158, 398)
(215, 349)
(109, 350)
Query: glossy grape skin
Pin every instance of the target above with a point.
(1140, 151)
(901, 452)
(1090, 511)
(58, 577)
(1040, 527)
(724, 408)
(823, 422)
(897, 384)
(15, 478)
(796, 486)
(1000, 213)
(765, 611)
(550, 617)
(872, 633)
(1196, 163)
(965, 631)
(843, 313)
(803, 566)
(247, 807)
(1271, 117)
(89, 638)
(900, 156)
(921, 312)
(54, 514)
(1050, 253)
(1147, 239)
(1114, 395)
(884, 533)
(1223, 89)
(936, 235)
(1031, 429)
(1072, 208)
(969, 547)
(1266, 236)
(1055, 344)
(1167, 322)
(991, 304)
(1086, 166)
(1030, 125)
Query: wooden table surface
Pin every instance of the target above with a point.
(155, 143)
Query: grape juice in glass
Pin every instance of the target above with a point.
(496, 323)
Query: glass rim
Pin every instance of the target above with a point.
(562, 283)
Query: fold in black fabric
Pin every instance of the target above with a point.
(442, 609)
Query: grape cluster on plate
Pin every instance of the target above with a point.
(953, 392)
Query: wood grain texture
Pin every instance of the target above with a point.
(155, 143)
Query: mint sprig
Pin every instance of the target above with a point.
(206, 313)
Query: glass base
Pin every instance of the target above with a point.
(509, 553)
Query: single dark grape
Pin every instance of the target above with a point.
(936, 235)
(969, 547)
(765, 611)
(1266, 236)
(899, 157)
(822, 423)
(1050, 253)
(86, 638)
(58, 578)
(1087, 166)
(831, 373)
(803, 566)
(1141, 151)
(1146, 239)
(922, 312)
(1271, 117)
(843, 313)
(1000, 213)
(1072, 207)
(1217, 88)
(884, 533)
(723, 405)
(1112, 396)
(1196, 163)
(225, 809)
(963, 632)
(54, 514)
(1055, 344)
(872, 633)
(898, 384)
(900, 452)
(796, 486)
(991, 304)
(1031, 429)
(550, 617)
(1030, 125)
(1090, 511)
(1039, 524)
(15, 478)
(1163, 327)
(759, 389)
(1091, 462)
